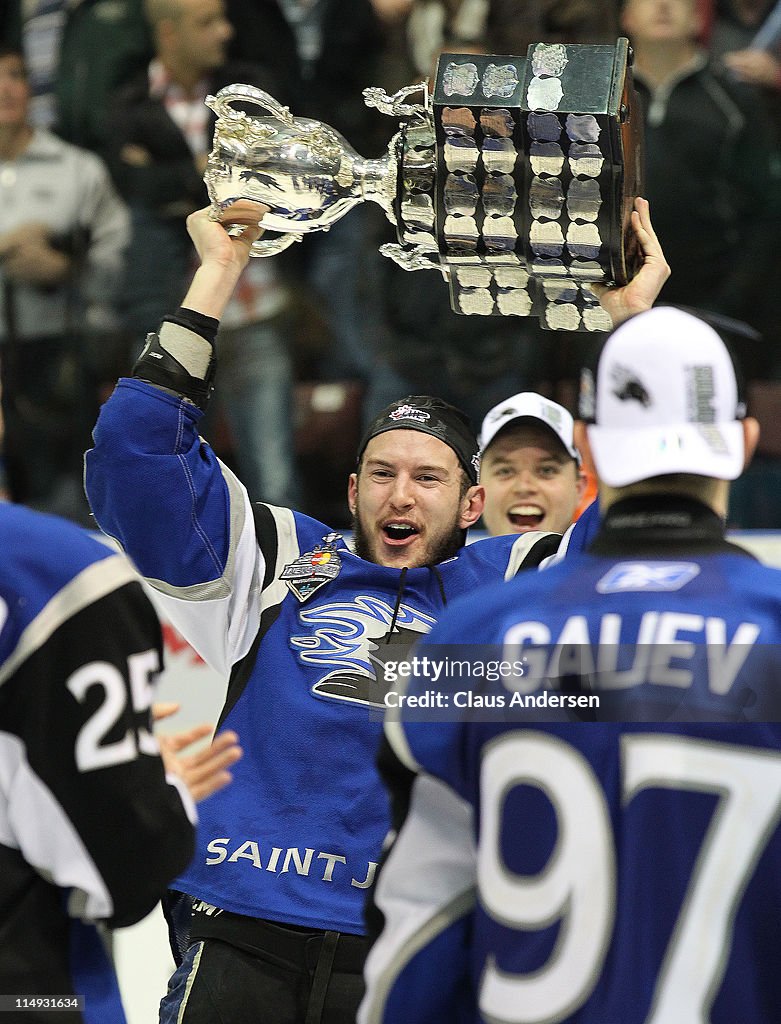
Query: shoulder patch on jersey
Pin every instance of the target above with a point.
(312, 570)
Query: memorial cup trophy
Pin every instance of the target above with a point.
(515, 177)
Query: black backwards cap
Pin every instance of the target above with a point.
(429, 416)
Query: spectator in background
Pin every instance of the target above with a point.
(530, 468)
(501, 26)
(78, 52)
(712, 166)
(323, 53)
(162, 134)
(555, 21)
(733, 25)
(746, 37)
(63, 234)
(759, 63)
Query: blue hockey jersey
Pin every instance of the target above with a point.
(577, 537)
(90, 829)
(278, 602)
(590, 871)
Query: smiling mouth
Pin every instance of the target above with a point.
(399, 533)
(525, 517)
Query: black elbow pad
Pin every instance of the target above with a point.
(157, 366)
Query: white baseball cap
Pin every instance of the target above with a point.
(529, 405)
(665, 400)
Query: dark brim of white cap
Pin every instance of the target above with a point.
(625, 457)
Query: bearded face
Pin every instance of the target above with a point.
(408, 500)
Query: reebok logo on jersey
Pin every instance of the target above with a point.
(653, 576)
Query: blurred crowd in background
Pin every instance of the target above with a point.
(104, 137)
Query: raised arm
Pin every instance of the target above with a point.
(223, 248)
(157, 487)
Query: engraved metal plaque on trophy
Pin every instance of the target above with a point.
(539, 162)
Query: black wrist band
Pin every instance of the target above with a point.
(199, 323)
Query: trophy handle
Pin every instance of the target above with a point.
(221, 104)
(394, 105)
(414, 257)
(271, 246)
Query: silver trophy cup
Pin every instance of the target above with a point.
(515, 177)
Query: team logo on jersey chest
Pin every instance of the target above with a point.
(313, 569)
(348, 640)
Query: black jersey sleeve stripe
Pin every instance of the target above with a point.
(529, 551)
(266, 533)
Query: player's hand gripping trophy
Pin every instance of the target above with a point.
(516, 177)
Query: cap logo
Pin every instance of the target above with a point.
(553, 416)
(501, 414)
(628, 388)
(409, 412)
(701, 394)
(714, 439)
